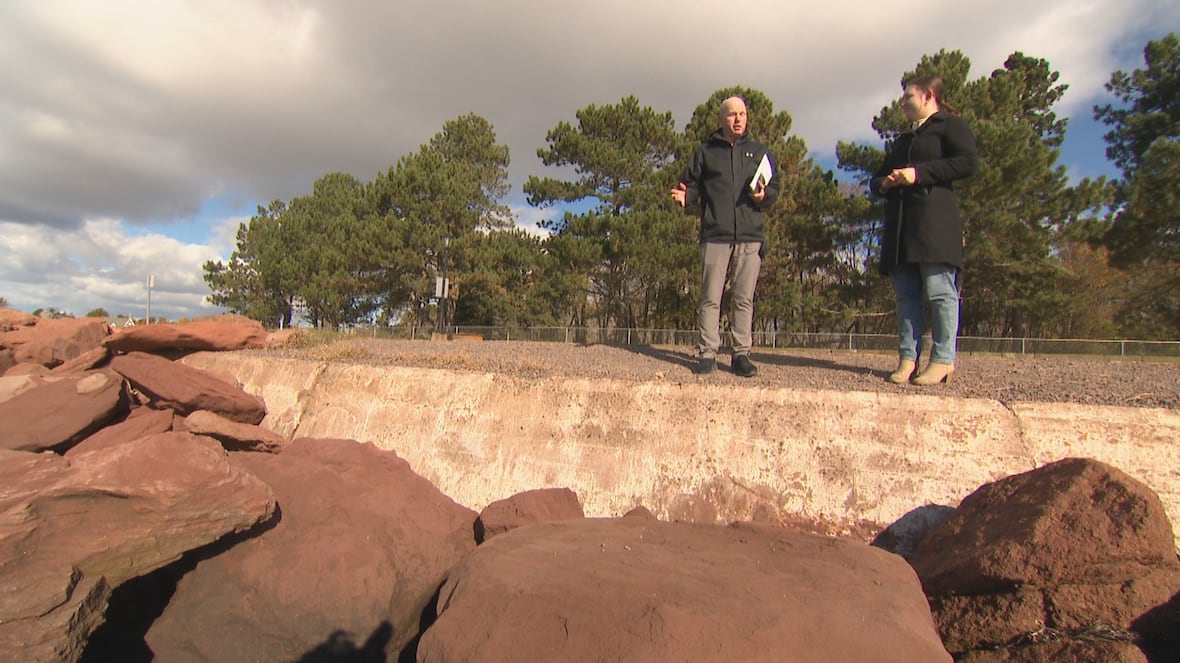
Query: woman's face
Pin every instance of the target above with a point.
(917, 103)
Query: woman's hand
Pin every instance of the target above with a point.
(900, 177)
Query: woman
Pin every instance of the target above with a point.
(922, 245)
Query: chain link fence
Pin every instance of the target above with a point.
(777, 339)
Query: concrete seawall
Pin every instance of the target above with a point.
(696, 451)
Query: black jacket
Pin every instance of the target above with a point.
(718, 180)
(922, 221)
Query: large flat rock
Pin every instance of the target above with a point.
(639, 590)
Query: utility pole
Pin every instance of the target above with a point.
(151, 281)
(442, 287)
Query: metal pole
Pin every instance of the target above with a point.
(442, 287)
(151, 281)
(446, 300)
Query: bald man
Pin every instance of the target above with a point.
(720, 183)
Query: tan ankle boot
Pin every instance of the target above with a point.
(905, 371)
(935, 373)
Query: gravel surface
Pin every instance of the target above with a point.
(1093, 381)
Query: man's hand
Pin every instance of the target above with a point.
(759, 192)
(679, 193)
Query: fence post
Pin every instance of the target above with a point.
(1022, 345)
(1122, 348)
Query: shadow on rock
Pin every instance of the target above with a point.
(339, 648)
(137, 603)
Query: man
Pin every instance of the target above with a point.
(721, 180)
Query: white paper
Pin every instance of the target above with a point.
(764, 173)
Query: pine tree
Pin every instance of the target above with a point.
(452, 189)
(256, 281)
(629, 252)
(1144, 235)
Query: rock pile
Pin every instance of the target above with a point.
(145, 515)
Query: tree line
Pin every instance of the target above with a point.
(1044, 257)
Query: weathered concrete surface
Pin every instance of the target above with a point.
(697, 452)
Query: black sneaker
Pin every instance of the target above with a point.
(706, 366)
(742, 366)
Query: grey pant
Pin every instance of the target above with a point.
(744, 276)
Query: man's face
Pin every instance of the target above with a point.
(733, 118)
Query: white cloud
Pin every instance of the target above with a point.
(100, 266)
(529, 218)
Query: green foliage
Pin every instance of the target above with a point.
(507, 281)
(258, 281)
(352, 252)
(328, 252)
(98, 313)
(1150, 108)
(630, 257)
(3, 303)
(1144, 233)
(452, 187)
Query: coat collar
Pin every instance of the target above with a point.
(719, 135)
(939, 116)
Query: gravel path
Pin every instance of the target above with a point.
(1093, 381)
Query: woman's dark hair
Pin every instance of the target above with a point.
(934, 85)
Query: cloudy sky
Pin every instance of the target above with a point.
(136, 135)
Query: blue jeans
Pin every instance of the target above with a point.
(916, 284)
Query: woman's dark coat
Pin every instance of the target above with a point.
(922, 221)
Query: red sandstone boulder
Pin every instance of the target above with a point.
(640, 512)
(546, 505)
(12, 385)
(634, 589)
(361, 548)
(1067, 546)
(73, 529)
(211, 334)
(185, 390)
(142, 422)
(6, 360)
(51, 342)
(27, 369)
(58, 414)
(233, 435)
(87, 361)
(11, 319)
